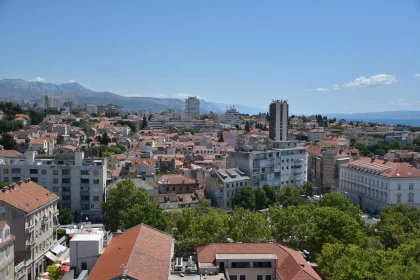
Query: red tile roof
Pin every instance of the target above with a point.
(289, 261)
(145, 251)
(28, 196)
(9, 153)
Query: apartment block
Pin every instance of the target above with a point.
(279, 114)
(375, 183)
(80, 183)
(283, 163)
(7, 252)
(232, 116)
(31, 211)
(222, 184)
(192, 107)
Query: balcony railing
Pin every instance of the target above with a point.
(29, 229)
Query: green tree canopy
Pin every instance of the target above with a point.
(8, 141)
(245, 198)
(261, 199)
(65, 217)
(128, 206)
(248, 226)
(55, 272)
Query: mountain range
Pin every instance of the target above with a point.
(17, 90)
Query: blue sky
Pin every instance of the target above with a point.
(322, 56)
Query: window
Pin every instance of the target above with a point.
(95, 198)
(84, 266)
(55, 172)
(398, 198)
(260, 277)
(55, 181)
(6, 171)
(411, 187)
(268, 277)
(33, 171)
(96, 181)
(233, 277)
(96, 172)
(84, 172)
(65, 180)
(411, 197)
(44, 172)
(241, 265)
(83, 180)
(399, 187)
(242, 277)
(55, 189)
(262, 264)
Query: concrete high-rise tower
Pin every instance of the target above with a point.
(192, 107)
(279, 114)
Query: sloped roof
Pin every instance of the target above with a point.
(145, 251)
(289, 261)
(27, 197)
(9, 153)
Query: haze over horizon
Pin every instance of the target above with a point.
(323, 57)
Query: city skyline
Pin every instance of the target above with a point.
(337, 57)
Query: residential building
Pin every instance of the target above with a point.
(232, 116)
(279, 114)
(375, 183)
(283, 163)
(250, 261)
(222, 184)
(316, 134)
(140, 252)
(79, 182)
(7, 252)
(178, 184)
(92, 109)
(323, 167)
(85, 250)
(31, 210)
(192, 107)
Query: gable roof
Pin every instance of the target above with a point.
(9, 153)
(289, 261)
(27, 196)
(146, 252)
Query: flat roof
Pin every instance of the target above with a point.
(246, 256)
(87, 237)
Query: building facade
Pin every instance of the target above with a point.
(373, 183)
(31, 210)
(192, 107)
(232, 117)
(222, 184)
(7, 252)
(80, 183)
(284, 163)
(279, 114)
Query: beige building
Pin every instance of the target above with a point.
(253, 261)
(7, 254)
(31, 210)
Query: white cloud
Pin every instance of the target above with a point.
(72, 81)
(417, 75)
(336, 87)
(322, 89)
(38, 79)
(185, 96)
(372, 81)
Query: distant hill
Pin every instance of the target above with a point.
(16, 90)
(392, 117)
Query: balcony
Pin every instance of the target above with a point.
(65, 184)
(30, 244)
(84, 184)
(29, 229)
(87, 193)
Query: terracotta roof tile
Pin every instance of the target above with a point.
(28, 196)
(145, 251)
(9, 153)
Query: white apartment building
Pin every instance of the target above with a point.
(92, 109)
(285, 163)
(31, 210)
(85, 250)
(80, 183)
(192, 107)
(222, 184)
(279, 114)
(232, 116)
(7, 252)
(373, 183)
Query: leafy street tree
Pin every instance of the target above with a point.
(271, 194)
(188, 129)
(245, 198)
(104, 140)
(55, 272)
(260, 199)
(60, 139)
(128, 206)
(248, 226)
(334, 226)
(247, 127)
(308, 188)
(8, 141)
(220, 134)
(289, 196)
(340, 202)
(65, 217)
(144, 122)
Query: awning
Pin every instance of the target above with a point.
(58, 249)
(51, 256)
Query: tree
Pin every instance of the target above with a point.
(334, 226)
(271, 194)
(248, 226)
(65, 217)
(340, 202)
(308, 188)
(8, 141)
(144, 122)
(245, 198)
(55, 272)
(60, 139)
(260, 199)
(128, 206)
(104, 140)
(188, 129)
(289, 196)
(247, 127)
(221, 136)
(150, 117)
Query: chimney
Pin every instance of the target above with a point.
(30, 157)
(78, 158)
